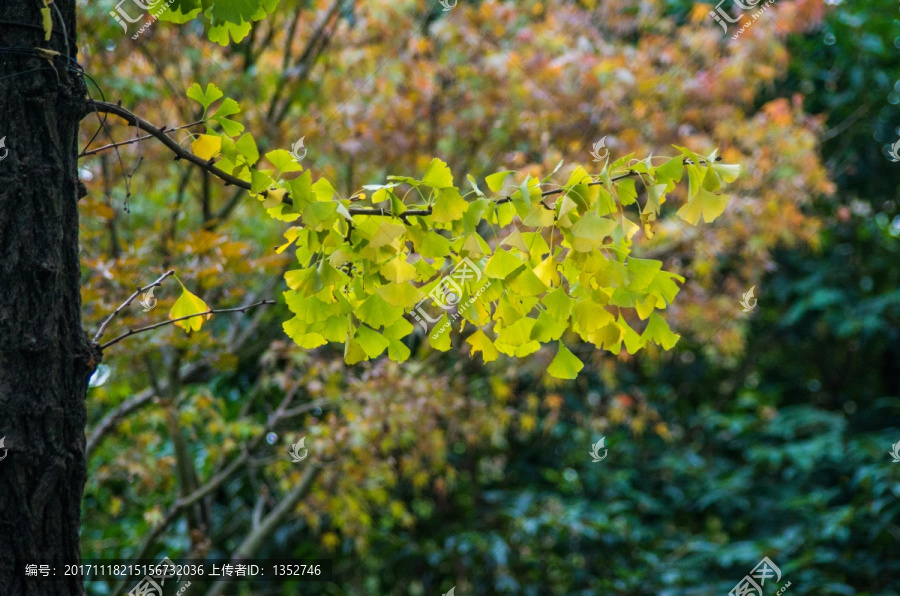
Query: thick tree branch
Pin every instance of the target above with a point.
(178, 150)
(211, 311)
(131, 298)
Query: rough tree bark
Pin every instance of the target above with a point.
(45, 356)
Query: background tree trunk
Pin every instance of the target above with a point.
(45, 356)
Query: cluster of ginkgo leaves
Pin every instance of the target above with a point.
(226, 18)
(544, 259)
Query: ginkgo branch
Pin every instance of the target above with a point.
(182, 153)
(556, 191)
(137, 139)
(209, 166)
(211, 311)
(131, 298)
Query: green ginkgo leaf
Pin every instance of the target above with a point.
(398, 271)
(304, 281)
(434, 246)
(495, 181)
(376, 312)
(439, 335)
(590, 231)
(296, 330)
(205, 98)
(371, 342)
(728, 172)
(659, 333)
(502, 264)
(565, 365)
(400, 294)
(641, 273)
(547, 329)
(247, 147)
(559, 304)
(707, 204)
(438, 175)
(233, 11)
(526, 283)
(627, 191)
(633, 341)
(448, 206)
(670, 172)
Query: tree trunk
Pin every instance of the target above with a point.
(45, 355)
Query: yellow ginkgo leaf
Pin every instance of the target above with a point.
(206, 146)
(188, 304)
(274, 197)
(481, 343)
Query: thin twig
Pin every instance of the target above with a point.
(211, 311)
(136, 139)
(303, 60)
(323, 404)
(193, 373)
(847, 123)
(131, 298)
